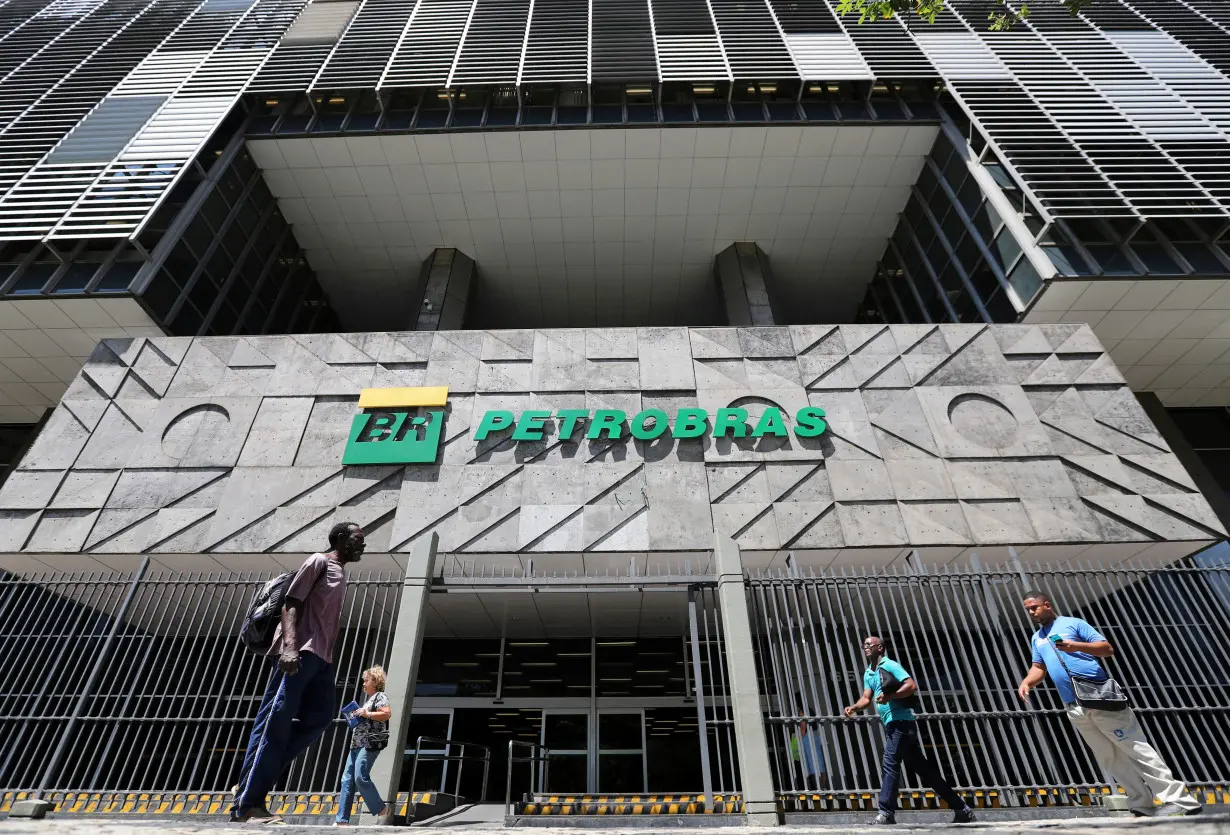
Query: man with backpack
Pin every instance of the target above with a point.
(1068, 649)
(896, 695)
(301, 685)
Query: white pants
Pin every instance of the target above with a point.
(1119, 745)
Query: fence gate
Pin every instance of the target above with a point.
(132, 692)
(964, 637)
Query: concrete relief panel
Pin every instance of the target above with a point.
(619, 440)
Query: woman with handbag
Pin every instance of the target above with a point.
(368, 738)
(1073, 653)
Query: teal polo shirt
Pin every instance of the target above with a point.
(894, 711)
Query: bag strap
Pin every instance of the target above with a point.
(1105, 667)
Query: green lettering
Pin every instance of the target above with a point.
(733, 419)
(660, 424)
(690, 423)
(379, 426)
(496, 420)
(570, 418)
(407, 426)
(529, 428)
(609, 421)
(808, 423)
(770, 423)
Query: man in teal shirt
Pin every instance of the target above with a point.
(901, 735)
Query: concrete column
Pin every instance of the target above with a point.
(448, 283)
(755, 775)
(743, 276)
(403, 669)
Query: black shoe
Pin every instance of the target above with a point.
(963, 815)
(1139, 813)
(883, 819)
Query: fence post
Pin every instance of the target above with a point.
(755, 774)
(37, 807)
(404, 666)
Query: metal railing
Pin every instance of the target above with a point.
(538, 773)
(964, 636)
(447, 745)
(138, 683)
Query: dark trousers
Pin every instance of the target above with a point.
(276, 739)
(901, 746)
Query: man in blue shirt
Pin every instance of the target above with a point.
(1115, 737)
(901, 735)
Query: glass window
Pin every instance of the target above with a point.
(678, 113)
(970, 195)
(1005, 249)
(1000, 307)
(1202, 259)
(31, 281)
(76, 277)
(927, 182)
(1207, 428)
(119, 277)
(1067, 260)
(198, 236)
(982, 277)
(640, 667)
(783, 112)
(161, 295)
(463, 667)
(187, 322)
(968, 252)
(853, 110)
(1156, 259)
(819, 111)
(1025, 281)
(1112, 259)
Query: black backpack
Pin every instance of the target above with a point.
(264, 614)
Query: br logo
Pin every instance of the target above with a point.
(397, 426)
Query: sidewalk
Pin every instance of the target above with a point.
(1204, 825)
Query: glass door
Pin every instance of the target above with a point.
(565, 733)
(432, 774)
(621, 751)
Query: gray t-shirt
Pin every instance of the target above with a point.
(361, 736)
(320, 584)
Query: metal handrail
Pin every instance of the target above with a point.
(533, 757)
(460, 759)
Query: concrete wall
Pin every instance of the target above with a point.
(947, 437)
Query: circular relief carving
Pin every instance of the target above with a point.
(199, 424)
(982, 420)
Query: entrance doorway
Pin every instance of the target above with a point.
(620, 744)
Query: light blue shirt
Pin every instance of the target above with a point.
(1081, 663)
(894, 711)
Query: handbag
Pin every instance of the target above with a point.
(375, 740)
(1091, 693)
(890, 685)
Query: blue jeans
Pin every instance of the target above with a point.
(276, 740)
(358, 772)
(901, 746)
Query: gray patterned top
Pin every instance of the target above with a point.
(366, 727)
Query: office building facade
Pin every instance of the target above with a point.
(671, 344)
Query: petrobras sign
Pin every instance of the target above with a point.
(403, 425)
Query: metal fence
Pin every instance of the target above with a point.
(964, 636)
(121, 683)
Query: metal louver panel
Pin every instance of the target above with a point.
(622, 46)
(889, 50)
(1199, 34)
(1181, 70)
(753, 43)
(830, 56)
(360, 56)
(1063, 178)
(104, 133)
(687, 43)
(37, 34)
(557, 48)
(961, 55)
(161, 73)
(491, 50)
(805, 17)
(428, 47)
(321, 22)
(290, 68)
